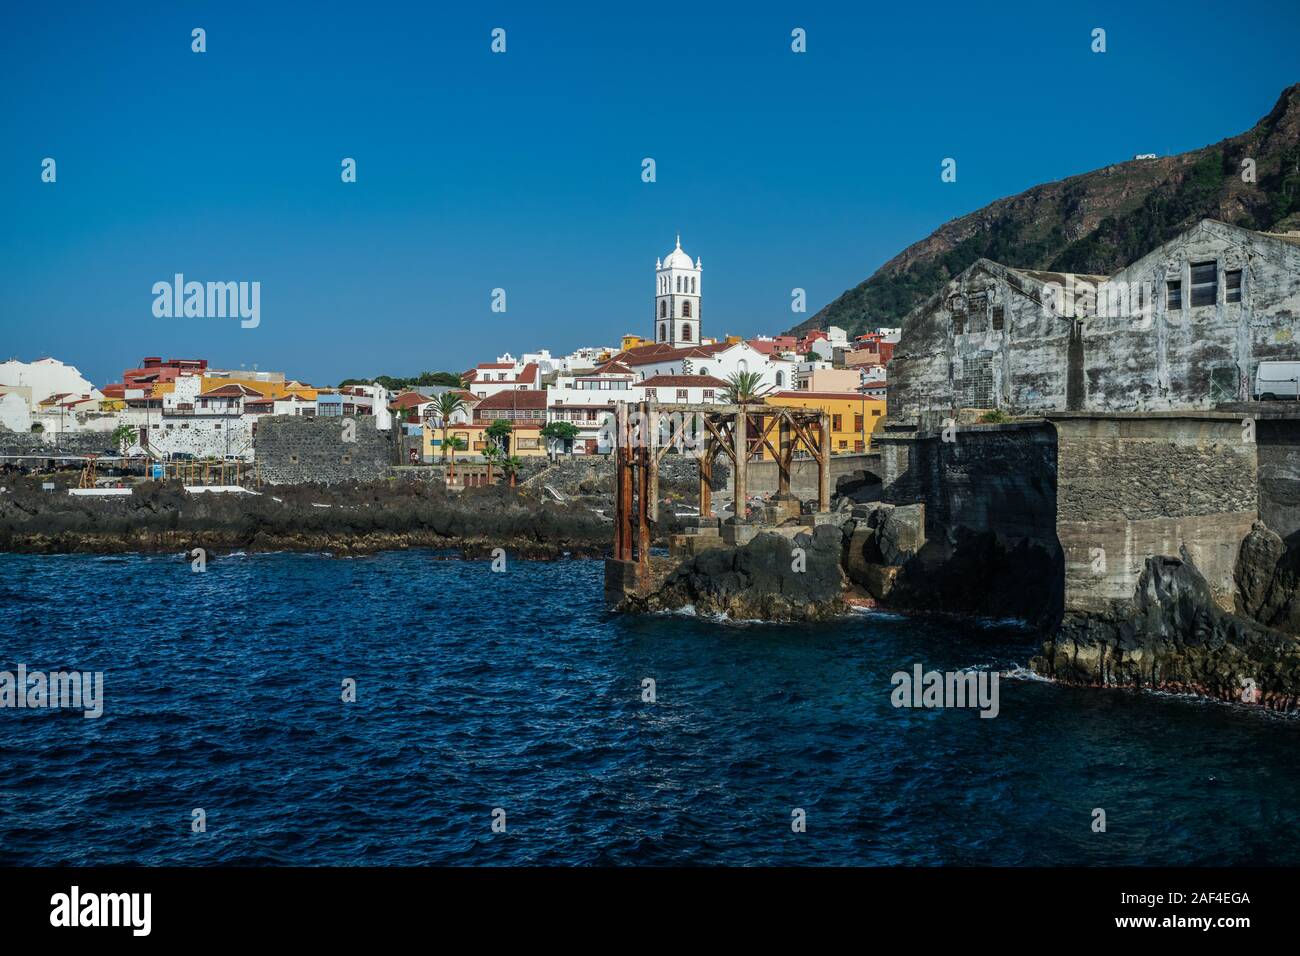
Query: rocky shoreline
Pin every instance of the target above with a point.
(346, 519)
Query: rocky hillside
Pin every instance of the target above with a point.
(1096, 222)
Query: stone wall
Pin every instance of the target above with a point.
(68, 443)
(762, 477)
(1133, 486)
(998, 479)
(1100, 491)
(292, 449)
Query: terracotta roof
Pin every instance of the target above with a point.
(816, 395)
(233, 390)
(610, 368)
(662, 352)
(513, 398)
(495, 365)
(410, 400)
(683, 381)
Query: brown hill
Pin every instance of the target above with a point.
(1096, 222)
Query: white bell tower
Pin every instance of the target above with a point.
(677, 299)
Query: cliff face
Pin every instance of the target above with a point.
(1097, 222)
(1173, 637)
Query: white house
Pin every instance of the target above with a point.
(488, 378)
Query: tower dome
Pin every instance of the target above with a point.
(677, 298)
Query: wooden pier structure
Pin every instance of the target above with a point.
(644, 432)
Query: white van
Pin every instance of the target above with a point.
(1277, 381)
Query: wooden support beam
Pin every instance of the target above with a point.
(740, 438)
(650, 464)
(707, 451)
(784, 457)
(824, 465)
(723, 440)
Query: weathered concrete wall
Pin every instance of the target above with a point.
(1198, 355)
(292, 449)
(1133, 486)
(1034, 342)
(999, 479)
(1102, 491)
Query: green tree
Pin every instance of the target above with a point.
(498, 434)
(564, 432)
(124, 437)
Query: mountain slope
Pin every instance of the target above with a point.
(1096, 222)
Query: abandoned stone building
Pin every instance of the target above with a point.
(1184, 327)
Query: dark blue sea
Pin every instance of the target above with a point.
(516, 690)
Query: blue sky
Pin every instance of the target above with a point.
(523, 170)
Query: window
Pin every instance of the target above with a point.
(857, 423)
(1174, 295)
(999, 318)
(875, 412)
(663, 308)
(1232, 281)
(651, 393)
(681, 395)
(835, 422)
(686, 309)
(663, 331)
(708, 394)
(958, 326)
(844, 443)
(679, 283)
(527, 443)
(780, 379)
(1205, 283)
(686, 332)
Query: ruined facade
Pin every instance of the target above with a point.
(1184, 327)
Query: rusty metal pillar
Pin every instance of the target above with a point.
(627, 500)
(619, 524)
(643, 499)
(705, 444)
(824, 466)
(784, 455)
(652, 461)
(740, 439)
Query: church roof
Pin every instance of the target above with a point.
(677, 259)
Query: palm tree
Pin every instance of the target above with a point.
(453, 444)
(491, 455)
(447, 405)
(511, 465)
(742, 388)
(123, 437)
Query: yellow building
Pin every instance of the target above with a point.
(633, 342)
(854, 417)
(526, 440)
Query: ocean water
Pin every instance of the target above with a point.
(517, 690)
